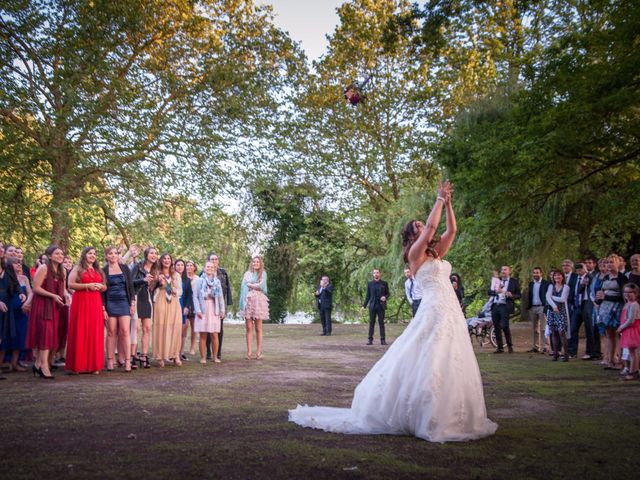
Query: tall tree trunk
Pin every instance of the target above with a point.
(61, 221)
(64, 191)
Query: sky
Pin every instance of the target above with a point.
(307, 21)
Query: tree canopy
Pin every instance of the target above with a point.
(198, 125)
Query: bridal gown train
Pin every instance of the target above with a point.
(427, 384)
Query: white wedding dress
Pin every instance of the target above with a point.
(427, 384)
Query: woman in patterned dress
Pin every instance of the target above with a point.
(558, 315)
(254, 304)
(610, 299)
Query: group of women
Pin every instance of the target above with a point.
(158, 296)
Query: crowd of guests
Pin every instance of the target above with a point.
(55, 314)
(599, 296)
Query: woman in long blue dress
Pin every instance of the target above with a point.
(13, 321)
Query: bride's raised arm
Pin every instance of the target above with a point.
(449, 234)
(419, 247)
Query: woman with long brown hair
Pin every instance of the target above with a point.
(144, 275)
(190, 282)
(167, 314)
(48, 298)
(85, 341)
(428, 382)
(254, 303)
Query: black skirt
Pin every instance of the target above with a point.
(144, 303)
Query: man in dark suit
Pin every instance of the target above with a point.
(376, 300)
(579, 298)
(324, 296)
(593, 351)
(535, 308)
(222, 275)
(504, 296)
(570, 279)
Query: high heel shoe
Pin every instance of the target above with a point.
(43, 376)
(110, 365)
(144, 361)
(35, 370)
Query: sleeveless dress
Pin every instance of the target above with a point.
(254, 303)
(144, 305)
(630, 336)
(167, 322)
(42, 333)
(85, 341)
(428, 382)
(117, 303)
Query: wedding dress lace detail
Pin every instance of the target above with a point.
(428, 382)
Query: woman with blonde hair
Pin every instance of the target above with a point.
(254, 304)
(209, 307)
(167, 314)
(119, 304)
(610, 298)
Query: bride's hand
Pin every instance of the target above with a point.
(446, 190)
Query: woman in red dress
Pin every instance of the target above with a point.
(48, 298)
(85, 340)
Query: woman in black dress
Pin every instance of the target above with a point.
(118, 302)
(144, 274)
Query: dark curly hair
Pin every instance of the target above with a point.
(410, 235)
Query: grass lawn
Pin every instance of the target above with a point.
(556, 420)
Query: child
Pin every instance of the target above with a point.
(629, 329)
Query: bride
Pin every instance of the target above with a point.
(428, 383)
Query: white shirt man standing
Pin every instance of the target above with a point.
(413, 291)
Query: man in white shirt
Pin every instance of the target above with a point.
(579, 296)
(569, 275)
(505, 294)
(535, 309)
(413, 291)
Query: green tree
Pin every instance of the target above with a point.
(558, 163)
(125, 102)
